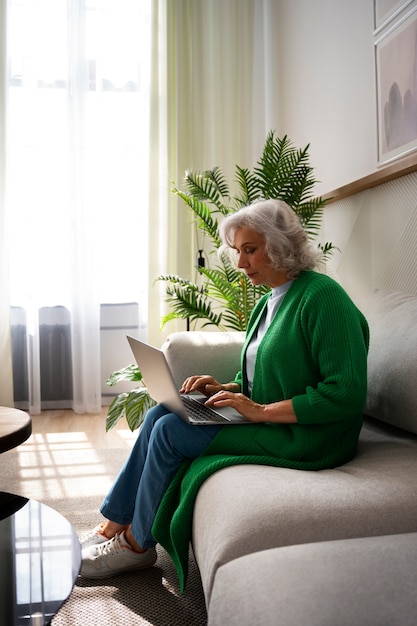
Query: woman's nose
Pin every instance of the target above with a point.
(241, 262)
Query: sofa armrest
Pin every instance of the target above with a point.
(363, 581)
(199, 352)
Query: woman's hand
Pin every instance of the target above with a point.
(242, 404)
(278, 412)
(207, 385)
(229, 395)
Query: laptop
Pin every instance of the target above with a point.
(160, 382)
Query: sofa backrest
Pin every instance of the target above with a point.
(200, 352)
(392, 361)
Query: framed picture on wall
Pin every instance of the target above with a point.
(396, 78)
(386, 10)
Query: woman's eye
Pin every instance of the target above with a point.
(245, 251)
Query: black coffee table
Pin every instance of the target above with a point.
(40, 558)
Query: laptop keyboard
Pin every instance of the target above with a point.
(201, 412)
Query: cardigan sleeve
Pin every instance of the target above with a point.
(339, 337)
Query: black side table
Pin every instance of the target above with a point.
(40, 559)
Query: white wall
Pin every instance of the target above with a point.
(376, 231)
(327, 78)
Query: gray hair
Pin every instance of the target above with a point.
(286, 242)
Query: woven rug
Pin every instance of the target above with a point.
(66, 472)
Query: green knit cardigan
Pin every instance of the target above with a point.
(314, 352)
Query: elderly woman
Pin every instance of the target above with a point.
(302, 384)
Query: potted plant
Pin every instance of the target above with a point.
(226, 297)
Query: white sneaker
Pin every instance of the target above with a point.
(93, 537)
(114, 557)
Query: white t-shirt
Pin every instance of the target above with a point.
(277, 296)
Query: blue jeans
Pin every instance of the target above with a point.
(164, 441)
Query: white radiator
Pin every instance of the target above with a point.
(116, 321)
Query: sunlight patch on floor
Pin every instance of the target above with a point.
(57, 465)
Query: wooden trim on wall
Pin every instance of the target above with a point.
(401, 167)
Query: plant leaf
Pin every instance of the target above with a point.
(327, 250)
(249, 186)
(134, 405)
(188, 301)
(204, 220)
(138, 404)
(208, 186)
(131, 372)
(116, 410)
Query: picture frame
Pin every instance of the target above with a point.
(396, 86)
(386, 10)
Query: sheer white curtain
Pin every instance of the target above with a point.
(77, 172)
(215, 80)
(111, 101)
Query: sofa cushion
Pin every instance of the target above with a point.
(199, 352)
(392, 362)
(244, 509)
(359, 582)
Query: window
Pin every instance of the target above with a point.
(77, 146)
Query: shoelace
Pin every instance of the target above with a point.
(92, 533)
(112, 546)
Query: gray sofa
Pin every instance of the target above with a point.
(334, 547)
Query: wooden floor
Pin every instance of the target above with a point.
(93, 427)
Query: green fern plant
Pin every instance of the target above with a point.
(226, 296)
